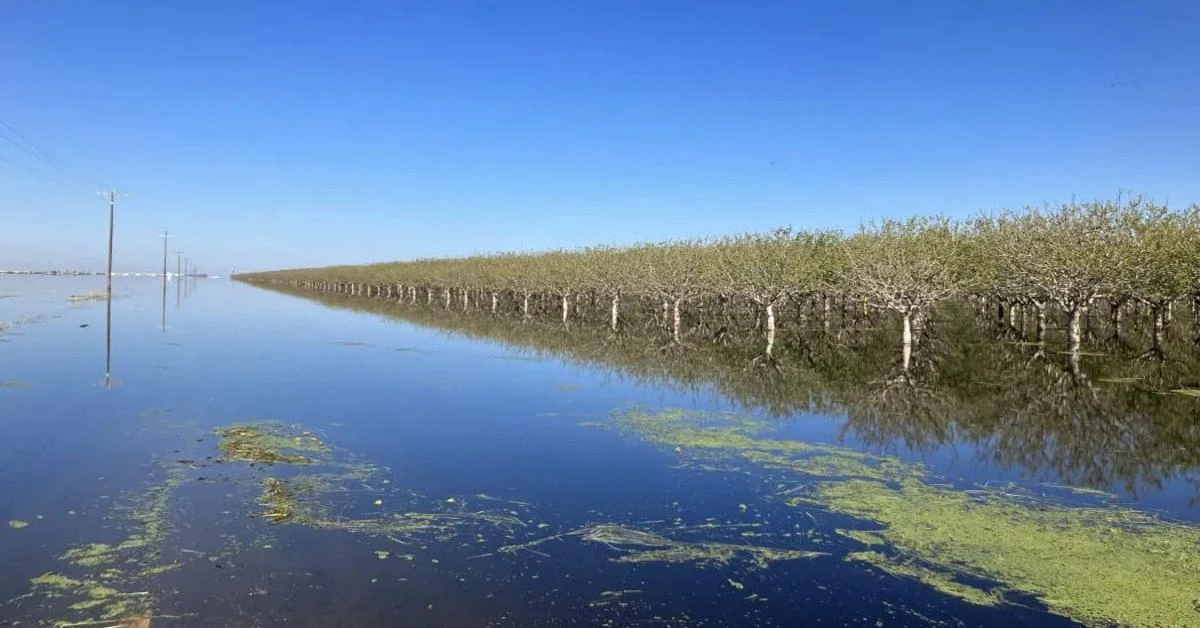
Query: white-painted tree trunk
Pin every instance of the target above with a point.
(1075, 315)
(677, 320)
(1160, 325)
(770, 328)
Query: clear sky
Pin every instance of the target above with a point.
(277, 134)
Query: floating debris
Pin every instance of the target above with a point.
(88, 296)
(269, 443)
(17, 524)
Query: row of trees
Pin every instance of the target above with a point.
(1133, 256)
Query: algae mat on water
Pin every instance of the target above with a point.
(118, 579)
(1099, 565)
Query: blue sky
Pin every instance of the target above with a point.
(279, 134)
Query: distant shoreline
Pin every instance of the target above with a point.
(81, 273)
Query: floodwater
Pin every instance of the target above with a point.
(456, 472)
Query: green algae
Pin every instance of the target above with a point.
(936, 579)
(1098, 565)
(269, 443)
(866, 537)
(17, 524)
(727, 435)
(328, 489)
(160, 569)
(644, 546)
(55, 580)
(103, 580)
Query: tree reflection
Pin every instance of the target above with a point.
(1085, 419)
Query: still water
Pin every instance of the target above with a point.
(434, 476)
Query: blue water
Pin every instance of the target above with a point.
(448, 418)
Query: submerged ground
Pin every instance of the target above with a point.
(257, 459)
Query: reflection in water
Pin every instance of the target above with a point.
(164, 303)
(1096, 420)
(108, 336)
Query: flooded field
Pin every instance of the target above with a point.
(256, 458)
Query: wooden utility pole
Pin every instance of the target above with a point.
(112, 215)
(164, 236)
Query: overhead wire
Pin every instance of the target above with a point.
(31, 148)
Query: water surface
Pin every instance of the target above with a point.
(500, 444)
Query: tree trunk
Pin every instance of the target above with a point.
(466, 300)
(678, 321)
(525, 304)
(908, 338)
(616, 310)
(1041, 321)
(566, 307)
(825, 312)
(1160, 325)
(1117, 316)
(447, 296)
(666, 310)
(495, 301)
(1075, 315)
(770, 312)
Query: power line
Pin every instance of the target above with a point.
(20, 166)
(37, 152)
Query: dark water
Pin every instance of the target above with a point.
(458, 424)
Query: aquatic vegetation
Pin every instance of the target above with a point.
(88, 296)
(642, 546)
(269, 443)
(866, 537)
(304, 500)
(1098, 565)
(17, 524)
(935, 578)
(725, 435)
(103, 585)
(1095, 565)
(13, 384)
